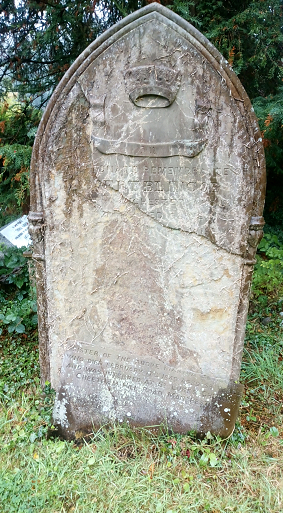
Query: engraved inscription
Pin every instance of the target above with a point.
(178, 196)
(125, 373)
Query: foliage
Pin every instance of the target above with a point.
(262, 366)
(40, 39)
(19, 364)
(14, 181)
(123, 470)
(202, 453)
(18, 121)
(18, 316)
(248, 33)
(18, 125)
(269, 111)
(259, 368)
(268, 274)
(17, 297)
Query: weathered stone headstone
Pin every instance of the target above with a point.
(147, 193)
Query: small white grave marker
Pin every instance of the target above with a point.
(17, 232)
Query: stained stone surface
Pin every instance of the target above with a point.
(147, 186)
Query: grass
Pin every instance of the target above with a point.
(133, 471)
(121, 470)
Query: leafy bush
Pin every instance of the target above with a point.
(17, 296)
(19, 364)
(19, 315)
(14, 177)
(269, 111)
(268, 274)
(18, 125)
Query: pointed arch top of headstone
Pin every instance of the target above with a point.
(209, 51)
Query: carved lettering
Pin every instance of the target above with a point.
(148, 186)
(129, 372)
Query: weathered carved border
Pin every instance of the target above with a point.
(36, 230)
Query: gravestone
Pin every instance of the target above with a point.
(147, 191)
